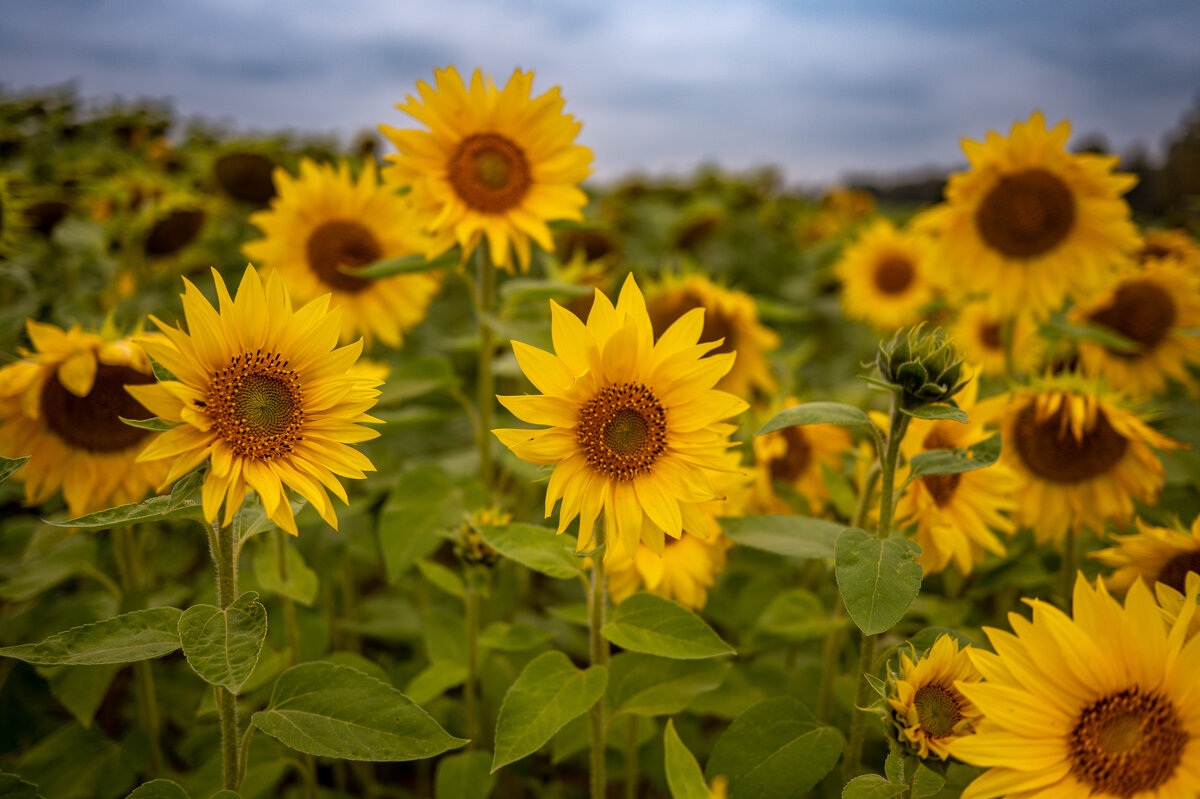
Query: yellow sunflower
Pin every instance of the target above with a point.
(61, 404)
(1171, 601)
(263, 393)
(324, 222)
(980, 338)
(494, 162)
(1031, 224)
(1176, 243)
(1080, 456)
(840, 210)
(885, 276)
(635, 424)
(1103, 704)
(929, 711)
(1153, 554)
(1158, 309)
(730, 316)
(794, 456)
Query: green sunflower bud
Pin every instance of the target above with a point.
(925, 366)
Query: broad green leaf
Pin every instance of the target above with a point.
(404, 264)
(8, 466)
(574, 737)
(13, 787)
(878, 578)
(774, 749)
(817, 413)
(226, 794)
(223, 646)
(335, 711)
(841, 492)
(937, 413)
(1101, 334)
(797, 615)
(128, 638)
(302, 582)
(155, 509)
(442, 577)
(524, 289)
(418, 507)
(357, 661)
(153, 424)
(186, 487)
(547, 694)
(926, 782)
(81, 689)
(653, 625)
(537, 548)
(873, 786)
(42, 568)
(516, 637)
(158, 789)
(71, 762)
(434, 680)
(644, 685)
(416, 377)
(792, 536)
(685, 780)
(464, 775)
(893, 767)
(954, 461)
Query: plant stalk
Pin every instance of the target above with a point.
(599, 656)
(147, 698)
(292, 631)
(484, 303)
(471, 688)
(226, 557)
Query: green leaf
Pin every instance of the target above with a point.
(335, 711)
(954, 461)
(644, 685)
(926, 782)
(774, 749)
(817, 413)
(223, 646)
(464, 775)
(13, 787)
(878, 578)
(81, 689)
(872, 786)
(1101, 334)
(155, 509)
(10, 465)
(158, 789)
(653, 625)
(185, 488)
(841, 493)
(434, 680)
(547, 694)
(797, 615)
(302, 582)
(227, 794)
(417, 377)
(537, 548)
(792, 536)
(685, 780)
(252, 520)
(937, 413)
(153, 424)
(128, 638)
(442, 577)
(524, 289)
(893, 767)
(402, 265)
(419, 506)
(516, 637)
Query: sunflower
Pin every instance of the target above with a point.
(1081, 457)
(1153, 554)
(262, 391)
(840, 210)
(885, 276)
(794, 456)
(1158, 309)
(1031, 224)
(494, 162)
(1101, 704)
(929, 711)
(730, 316)
(1176, 243)
(1171, 601)
(325, 223)
(979, 335)
(635, 424)
(61, 404)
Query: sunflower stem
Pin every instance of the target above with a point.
(1008, 333)
(487, 347)
(599, 656)
(147, 698)
(470, 690)
(292, 632)
(631, 758)
(829, 664)
(225, 553)
(1068, 567)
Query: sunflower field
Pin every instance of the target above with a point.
(429, 469)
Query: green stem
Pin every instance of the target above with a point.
(1068, 567)
(147, 697)
(487, 347)
(599, 655)
(224, 553)
(631, 758)
(470, 688)
(858, 724)
(290, 630)
(1008, 334)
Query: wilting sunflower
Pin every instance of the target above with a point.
(1156, 307)
(1171, 244)
(1101, 704)
(980, 338)
(323, 225)
(885, 276)
(494, 162)
(635, 424)
(1031, 224)
(1153, 554)
(1081, 457)
(929, 711)
(62, 404)
(730, 316)
(794, 456)
(263, 393)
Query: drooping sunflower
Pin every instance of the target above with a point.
(62, 404)
(325, 223)
(1157, 307)
(928, 710)
(794, 456)
(634, 425)
(885, 276)
(1031, 224)
(493, 162)
(1176, 243)
(1153, 554)
(730, 316)
(979, 335)
(265, 394)
(1102, 704)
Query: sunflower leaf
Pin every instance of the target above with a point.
(464, 775)
(13, 787)
(403, 265)
(818, 413)
(158, 789)
(685, 780)
(153, 424)
(10, 465)
(791, 536)
(643, 685)
(653, 625)
(878, 578)
(952, 461)
(534, 547)
(128, 638)
(872, 786)
(155, 509)
(300, 583)
(223, 646)
(936, 413)
(1101, 334)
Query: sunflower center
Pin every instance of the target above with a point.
(622, 430)
(342, 243)
(1026, 214)
(894, 274)
(937, 710)
(717, 325)
(1142, 312)
(256, 405)
(92, 422)
(1175, 571)
(246, 177)
(989, 336)
(940, 486)
(1126, 743)
(795, 459)
(174, 231)
(489, 173)
(1051, 451)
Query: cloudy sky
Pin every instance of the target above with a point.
(821, 88)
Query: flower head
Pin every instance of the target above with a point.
(928, 710)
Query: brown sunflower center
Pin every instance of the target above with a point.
(664, 312)
(989, 336)
(1050, 450)
(1175, 571)
(1126, 743)
(256, 405)
(938, 709)
(622, 430)
(174, 231)
(489, 173)
(940, 486)
(342, 243)
(894, 274)
(93, 422)
(795, 459)
(1141, 312)
(1026, 214)
(591, 244)
(246, 177)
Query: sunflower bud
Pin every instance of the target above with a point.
(925, 366)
